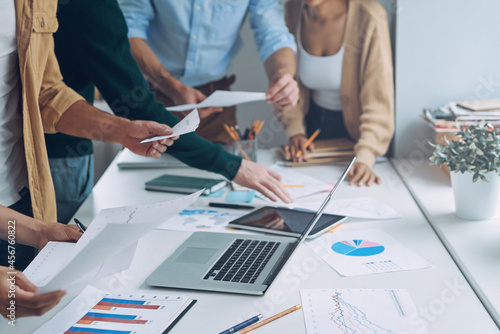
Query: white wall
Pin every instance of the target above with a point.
(446, 50)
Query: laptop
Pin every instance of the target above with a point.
(233, 263)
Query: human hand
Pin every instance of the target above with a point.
(361, 174)
(283, 92)
(297, 143)
(189, 95)
(136, 131)
(27, 303)
(262, 179)
(57, 232)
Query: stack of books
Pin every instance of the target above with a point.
(325, 152)
(454, 114)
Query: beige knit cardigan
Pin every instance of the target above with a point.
(367, 88)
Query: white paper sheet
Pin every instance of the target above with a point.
(112, 232)
(351, 311)
(289, 176)
(197, 218)
(365, 252)
(188, 124)
(130, 160)
(223, 98)
(362, 207)
(137, 312)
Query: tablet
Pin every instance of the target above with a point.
(284, 221)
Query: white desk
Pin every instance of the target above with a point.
(475, 245)
(445, 309)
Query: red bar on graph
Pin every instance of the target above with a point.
(123, 321)
(148, 307)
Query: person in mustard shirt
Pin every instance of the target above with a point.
(345, 77)
(34, 100)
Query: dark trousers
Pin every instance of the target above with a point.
(330, 122)
(24, 254)
(212, 127)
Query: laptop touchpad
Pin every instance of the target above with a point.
(196, 255)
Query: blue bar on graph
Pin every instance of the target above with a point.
(109, 315)
(97, 330)
(123, 301)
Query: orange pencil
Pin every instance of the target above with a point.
(308, 142)
(259, 127)
(292, 185)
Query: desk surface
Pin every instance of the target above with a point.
(474, 245)
(442, 295)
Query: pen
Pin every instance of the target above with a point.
(333, 229)
(308, 142)
(268, 320)
(244, 324)
(230, 206)
(80, 225)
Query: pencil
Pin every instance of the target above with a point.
(292, 185)
(308, 142)
(235, 138)
(333, 229)
(268, 320)
(259, 127)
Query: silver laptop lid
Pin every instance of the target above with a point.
(322, 208)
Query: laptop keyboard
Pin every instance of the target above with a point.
(243, 261)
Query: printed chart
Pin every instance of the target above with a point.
(357, 248)
(202, 219)
(365, 252)
(360, 311)
(93, 311)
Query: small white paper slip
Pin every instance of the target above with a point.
(188, 124)
(365, 252)
(350, 311)
(223, 98)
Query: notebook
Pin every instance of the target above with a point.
(185, 184)
(234, 263)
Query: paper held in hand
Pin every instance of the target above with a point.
(188, 124)
(223, 98)
(112, 232)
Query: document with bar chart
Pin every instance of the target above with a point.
(365, 252)
(356, 311)
(94, 311)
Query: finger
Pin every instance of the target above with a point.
(355, 176)
(266, 192)
(168, 141)
(24, 283)
(288, 154)
(277, 188)
(287, 95)
(364, 178)
(371, 179)
(378, 180)
(31, 301)
(152, 152)
(275, 88)
(22, 311)
(275, 175)
(160, 148)
(302, 145)
(73, 233)
(158, 129)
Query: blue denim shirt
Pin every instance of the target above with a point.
(196, 40)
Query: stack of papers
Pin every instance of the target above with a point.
(222, 98)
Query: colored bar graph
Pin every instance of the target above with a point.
(123, 301)
(90, 317)
(127, 305)
(81, 330)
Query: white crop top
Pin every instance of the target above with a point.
(323, 76)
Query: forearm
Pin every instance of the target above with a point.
(279, 63)
(83, 120)
(18, 227)
(153, 69)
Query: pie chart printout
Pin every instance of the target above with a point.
(357, 248)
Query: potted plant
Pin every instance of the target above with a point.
(474, 162)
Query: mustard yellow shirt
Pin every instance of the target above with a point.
(44, 96)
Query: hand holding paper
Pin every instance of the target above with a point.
(188, 124)
(222, 98)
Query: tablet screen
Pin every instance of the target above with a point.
(284, 220)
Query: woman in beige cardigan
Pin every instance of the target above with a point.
(346, 78)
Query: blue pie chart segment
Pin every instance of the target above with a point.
(357, 248)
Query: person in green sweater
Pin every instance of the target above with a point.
(92, 48)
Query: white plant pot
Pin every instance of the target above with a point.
(475, 200)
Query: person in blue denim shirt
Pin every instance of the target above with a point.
(185, 50)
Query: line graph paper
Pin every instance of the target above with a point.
(360, 311)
